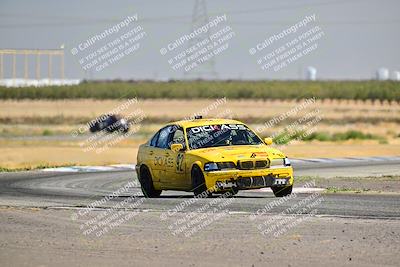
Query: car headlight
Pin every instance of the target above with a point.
(211, 166)
(123, 121)
(286, 162)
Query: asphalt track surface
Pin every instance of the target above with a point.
(69, 190)
(40, 226)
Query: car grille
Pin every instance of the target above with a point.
(261, 164)
(246, 165)
(253, 164)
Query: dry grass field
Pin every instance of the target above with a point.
(332, 109)
(38, 132)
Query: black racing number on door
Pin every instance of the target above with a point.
(179, 162)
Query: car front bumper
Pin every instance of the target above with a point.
(249, 179)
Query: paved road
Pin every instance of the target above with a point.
(66, 189)
(347, 167)
(348, 229)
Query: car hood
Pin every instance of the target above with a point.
(234, 153)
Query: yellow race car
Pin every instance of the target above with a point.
(208, 156)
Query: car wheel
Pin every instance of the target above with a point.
(146, 183)
(233, 191)
(94, 128)
(199, 187)
(282, 191)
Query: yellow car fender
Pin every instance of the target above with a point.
(198, 163)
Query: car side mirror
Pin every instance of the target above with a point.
(268, 141)
(176, 147)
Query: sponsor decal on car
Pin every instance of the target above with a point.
(218, 127)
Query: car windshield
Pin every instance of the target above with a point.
(221, 135)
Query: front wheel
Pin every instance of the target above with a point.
(282, 191)
(233, 191)
(146, 183)
(199, 187)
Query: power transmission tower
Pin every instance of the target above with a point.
(206, 70)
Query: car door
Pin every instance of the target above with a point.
(158, 153)
(149, 156)
(176, 163)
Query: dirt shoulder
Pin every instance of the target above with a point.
(358, 185)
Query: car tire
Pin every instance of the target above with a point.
(94, 128)
(146, 183)
(282, 191)
(233, 191)
(199, 187)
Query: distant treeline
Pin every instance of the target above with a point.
(358, 90)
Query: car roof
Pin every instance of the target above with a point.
(201, 122)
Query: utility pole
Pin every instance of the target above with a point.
(200, 18)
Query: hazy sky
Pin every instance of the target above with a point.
(359, 36)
